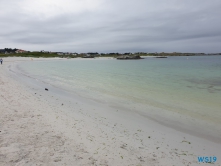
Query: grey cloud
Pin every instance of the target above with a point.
(122, 26)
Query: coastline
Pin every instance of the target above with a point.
(56, 128)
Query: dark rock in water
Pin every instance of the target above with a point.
(161, 56)
(46, 89)
(127, 57)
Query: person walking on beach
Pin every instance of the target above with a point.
(1, 60)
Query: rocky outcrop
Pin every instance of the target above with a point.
(127, 57)
(161, 56)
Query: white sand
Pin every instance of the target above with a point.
(41, 127)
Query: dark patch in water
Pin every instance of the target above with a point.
(201, 88)
(208, 84)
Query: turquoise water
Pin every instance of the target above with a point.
(188, 85)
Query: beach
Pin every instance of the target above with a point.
(55, 127)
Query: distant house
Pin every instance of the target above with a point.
(60, 53)
(63, 53)
(88, 56)
(20, 51)
(45, 51)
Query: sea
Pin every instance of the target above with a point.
(188, 85)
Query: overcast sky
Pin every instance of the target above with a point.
(111, 25)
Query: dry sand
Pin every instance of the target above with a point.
(39, 127)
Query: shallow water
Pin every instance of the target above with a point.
(188, 85)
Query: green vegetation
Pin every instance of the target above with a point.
(31, 54)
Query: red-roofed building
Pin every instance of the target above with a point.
(20, 51)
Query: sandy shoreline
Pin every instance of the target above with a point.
(41, 127)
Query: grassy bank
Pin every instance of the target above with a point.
(31, 54)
